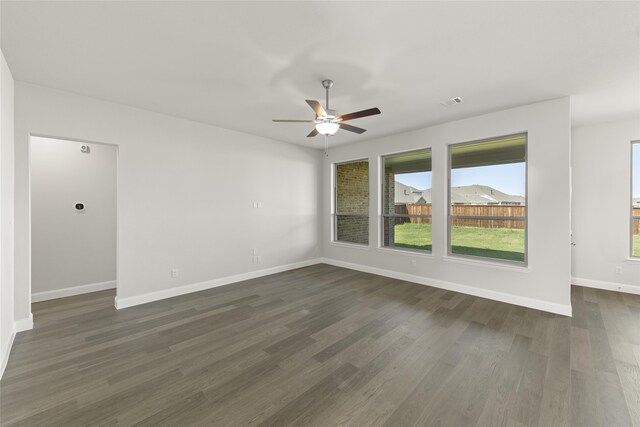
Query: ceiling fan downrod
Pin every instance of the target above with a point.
(327, 85)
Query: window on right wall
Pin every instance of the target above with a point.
(635, 199)
(488, 199)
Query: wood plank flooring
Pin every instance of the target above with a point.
(325, 346)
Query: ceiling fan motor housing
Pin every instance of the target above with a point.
(330, 115)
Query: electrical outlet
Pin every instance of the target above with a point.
(175, 273)
(259, 258)
(255, 251)
(618, 269)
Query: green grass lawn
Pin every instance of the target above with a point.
(636, 245)
(413, 236)
(500, 243)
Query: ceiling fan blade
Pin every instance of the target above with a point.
(352, 128)
(358, 114)
(314, 132)
(292, 121)
(317, 107)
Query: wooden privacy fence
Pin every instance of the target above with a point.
(471, 210)
(491, 211)
(480, 210)
(418, 210)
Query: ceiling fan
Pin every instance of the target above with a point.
(327, 122)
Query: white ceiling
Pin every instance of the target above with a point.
(240, 64)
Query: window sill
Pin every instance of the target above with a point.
(350, 245)
(490, 264)
(405, 252)
(633, 259)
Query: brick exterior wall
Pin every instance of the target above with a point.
(352, 197)
(389, 206)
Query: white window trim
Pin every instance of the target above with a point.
(487, 260)
(334, 215)
(381, 218)
(632, 257)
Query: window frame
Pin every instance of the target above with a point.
(525, 261)
(383, 217)
(632, 217)
(334, 202)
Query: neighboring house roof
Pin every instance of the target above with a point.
(636, 202)
(483, 195)
(421, 201)
(468, 194)
(406, 194)
(426, 195)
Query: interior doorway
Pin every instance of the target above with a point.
(73, 204)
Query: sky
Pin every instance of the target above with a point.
(636, 170)
(418, 180)
(509, 179)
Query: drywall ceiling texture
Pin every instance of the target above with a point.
(545, 283)
(240, 64)
(185, 193)
(70, 247)
(601, 205)
(6, 211)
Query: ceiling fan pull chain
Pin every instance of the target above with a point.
(326, 145)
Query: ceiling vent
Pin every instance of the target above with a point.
(450, 102)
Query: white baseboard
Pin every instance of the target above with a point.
(24, 324)
(5, 353)
(19, 325)
(75, 290)
(608, 286)
(537, 304)
(195, 287)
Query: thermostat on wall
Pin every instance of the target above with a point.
(79, 207)
(85, 149)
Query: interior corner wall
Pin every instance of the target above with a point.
(72, 251)
(601, 205)
(6, 211)
(186, 193)
(545, 283)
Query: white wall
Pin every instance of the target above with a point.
(70, 248)
(208, 231)
(601, 168)
(545, 283)
(185, 193)
(6, 212)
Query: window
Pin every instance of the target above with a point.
(635, 199)
(487, 198)
(406, 201)
(351, 203)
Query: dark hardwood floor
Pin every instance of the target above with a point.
(326, 346)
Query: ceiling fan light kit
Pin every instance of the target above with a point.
(326, 122)
(327, 128)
